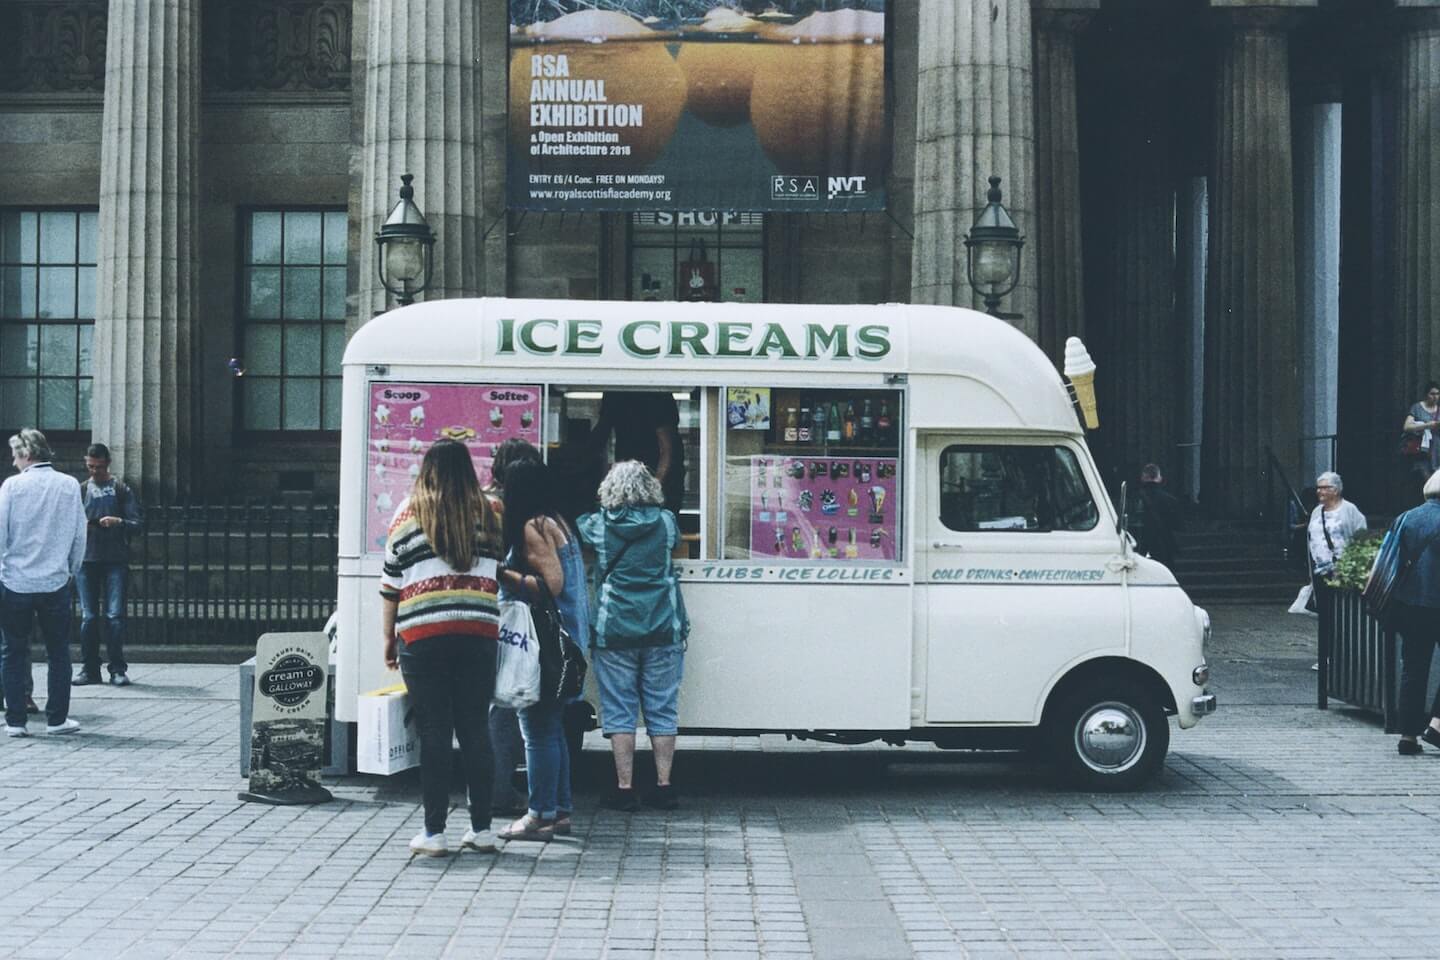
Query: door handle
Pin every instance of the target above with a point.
(941, 545)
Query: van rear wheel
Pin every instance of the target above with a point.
(1108, 738)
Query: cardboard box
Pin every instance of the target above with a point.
(388, 739)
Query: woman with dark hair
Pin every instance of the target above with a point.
(506, 744)
(438, 595)
(1424, 420)
(541, 549)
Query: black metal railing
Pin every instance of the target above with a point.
(1358, 659)
(224, 573)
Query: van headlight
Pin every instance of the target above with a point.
(1201, 675)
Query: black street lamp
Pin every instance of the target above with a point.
(406, 247)
(992, 250)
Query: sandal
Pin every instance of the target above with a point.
(529, 828)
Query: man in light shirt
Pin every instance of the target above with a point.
(42, 544)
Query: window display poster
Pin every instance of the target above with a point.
(697, 105)
(823, 508)
(748, 408)
(406, 418)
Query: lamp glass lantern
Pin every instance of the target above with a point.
(406, 248)
(992, 249)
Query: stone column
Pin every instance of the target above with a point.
(1056, 246)
(1135, 322)
(1417, 202)
(975, 119)
(425, 85)
(1252, 403)
(146, 277)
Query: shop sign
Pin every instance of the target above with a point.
(287, 733)
(685, 105)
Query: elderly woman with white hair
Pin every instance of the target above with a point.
(1332, 525)
(640, 625)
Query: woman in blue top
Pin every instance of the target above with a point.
(640, 624)
(1417, 616)
(541, 546)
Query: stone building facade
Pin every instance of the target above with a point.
(1232, 201)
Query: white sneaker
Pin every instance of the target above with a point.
(16, 731)
(481, 841)
(428, 845)
(69, 726)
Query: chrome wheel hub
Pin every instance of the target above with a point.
(1110, 737)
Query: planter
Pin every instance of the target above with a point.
(1359, 660)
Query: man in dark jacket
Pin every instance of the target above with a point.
(1159, 517)
(112, 513)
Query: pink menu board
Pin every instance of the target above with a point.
(823, 508)
(406, 418)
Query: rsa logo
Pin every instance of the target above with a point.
(794, 188)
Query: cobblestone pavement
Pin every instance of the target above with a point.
(1276, 830)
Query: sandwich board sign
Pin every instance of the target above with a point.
(287, 734)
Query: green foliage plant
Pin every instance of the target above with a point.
(1355, 561)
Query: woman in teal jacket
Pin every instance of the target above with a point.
(640, 624)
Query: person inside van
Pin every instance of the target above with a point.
(646, 426)
(640, 625)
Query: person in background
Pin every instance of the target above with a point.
(1161, 516)
(1333, 522)
(1424, 419)
(541, 548)
(640, 625)
(440, 619)
(1417, 617)
(647, 428)
(42, 543)
(113, 515)
(506, 742)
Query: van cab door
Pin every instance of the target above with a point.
(1018, 561)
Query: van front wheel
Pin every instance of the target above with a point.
(1106, 742)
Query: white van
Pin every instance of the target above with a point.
(894, 529)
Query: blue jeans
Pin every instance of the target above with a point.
(631, 679)
(547, 759)
(450, 679)
(102, 594)
(18, 614)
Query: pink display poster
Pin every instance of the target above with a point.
(823, 508)
(406, 418)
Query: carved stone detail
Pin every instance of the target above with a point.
(61, 46)
(277, 45)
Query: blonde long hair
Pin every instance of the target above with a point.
(451, 510)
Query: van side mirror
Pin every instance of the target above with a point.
(1122, 524)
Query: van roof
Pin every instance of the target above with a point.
(993, 366)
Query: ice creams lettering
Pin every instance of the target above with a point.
(1080, 370)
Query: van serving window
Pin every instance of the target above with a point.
(1004, 488)
(812, 475)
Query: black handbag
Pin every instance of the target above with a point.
(562, 662)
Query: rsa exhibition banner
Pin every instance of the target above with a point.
(697, 105)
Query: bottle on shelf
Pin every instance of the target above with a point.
(832, 424)
(851, 422)
(807, 426)
(882, 422)
(792, 425)
(819, 430)
(867, 423)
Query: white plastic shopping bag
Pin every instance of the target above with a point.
(1304, 603)
(517, 677)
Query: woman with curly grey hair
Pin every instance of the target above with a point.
(640, 625)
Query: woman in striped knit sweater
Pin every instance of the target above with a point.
(438, 596)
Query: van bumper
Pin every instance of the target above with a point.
(1202, 705)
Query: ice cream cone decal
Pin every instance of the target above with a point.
(1080, 370)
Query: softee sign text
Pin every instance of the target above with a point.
(651, 339)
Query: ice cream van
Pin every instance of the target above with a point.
(893, 528)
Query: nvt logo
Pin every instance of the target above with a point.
(846, 187)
